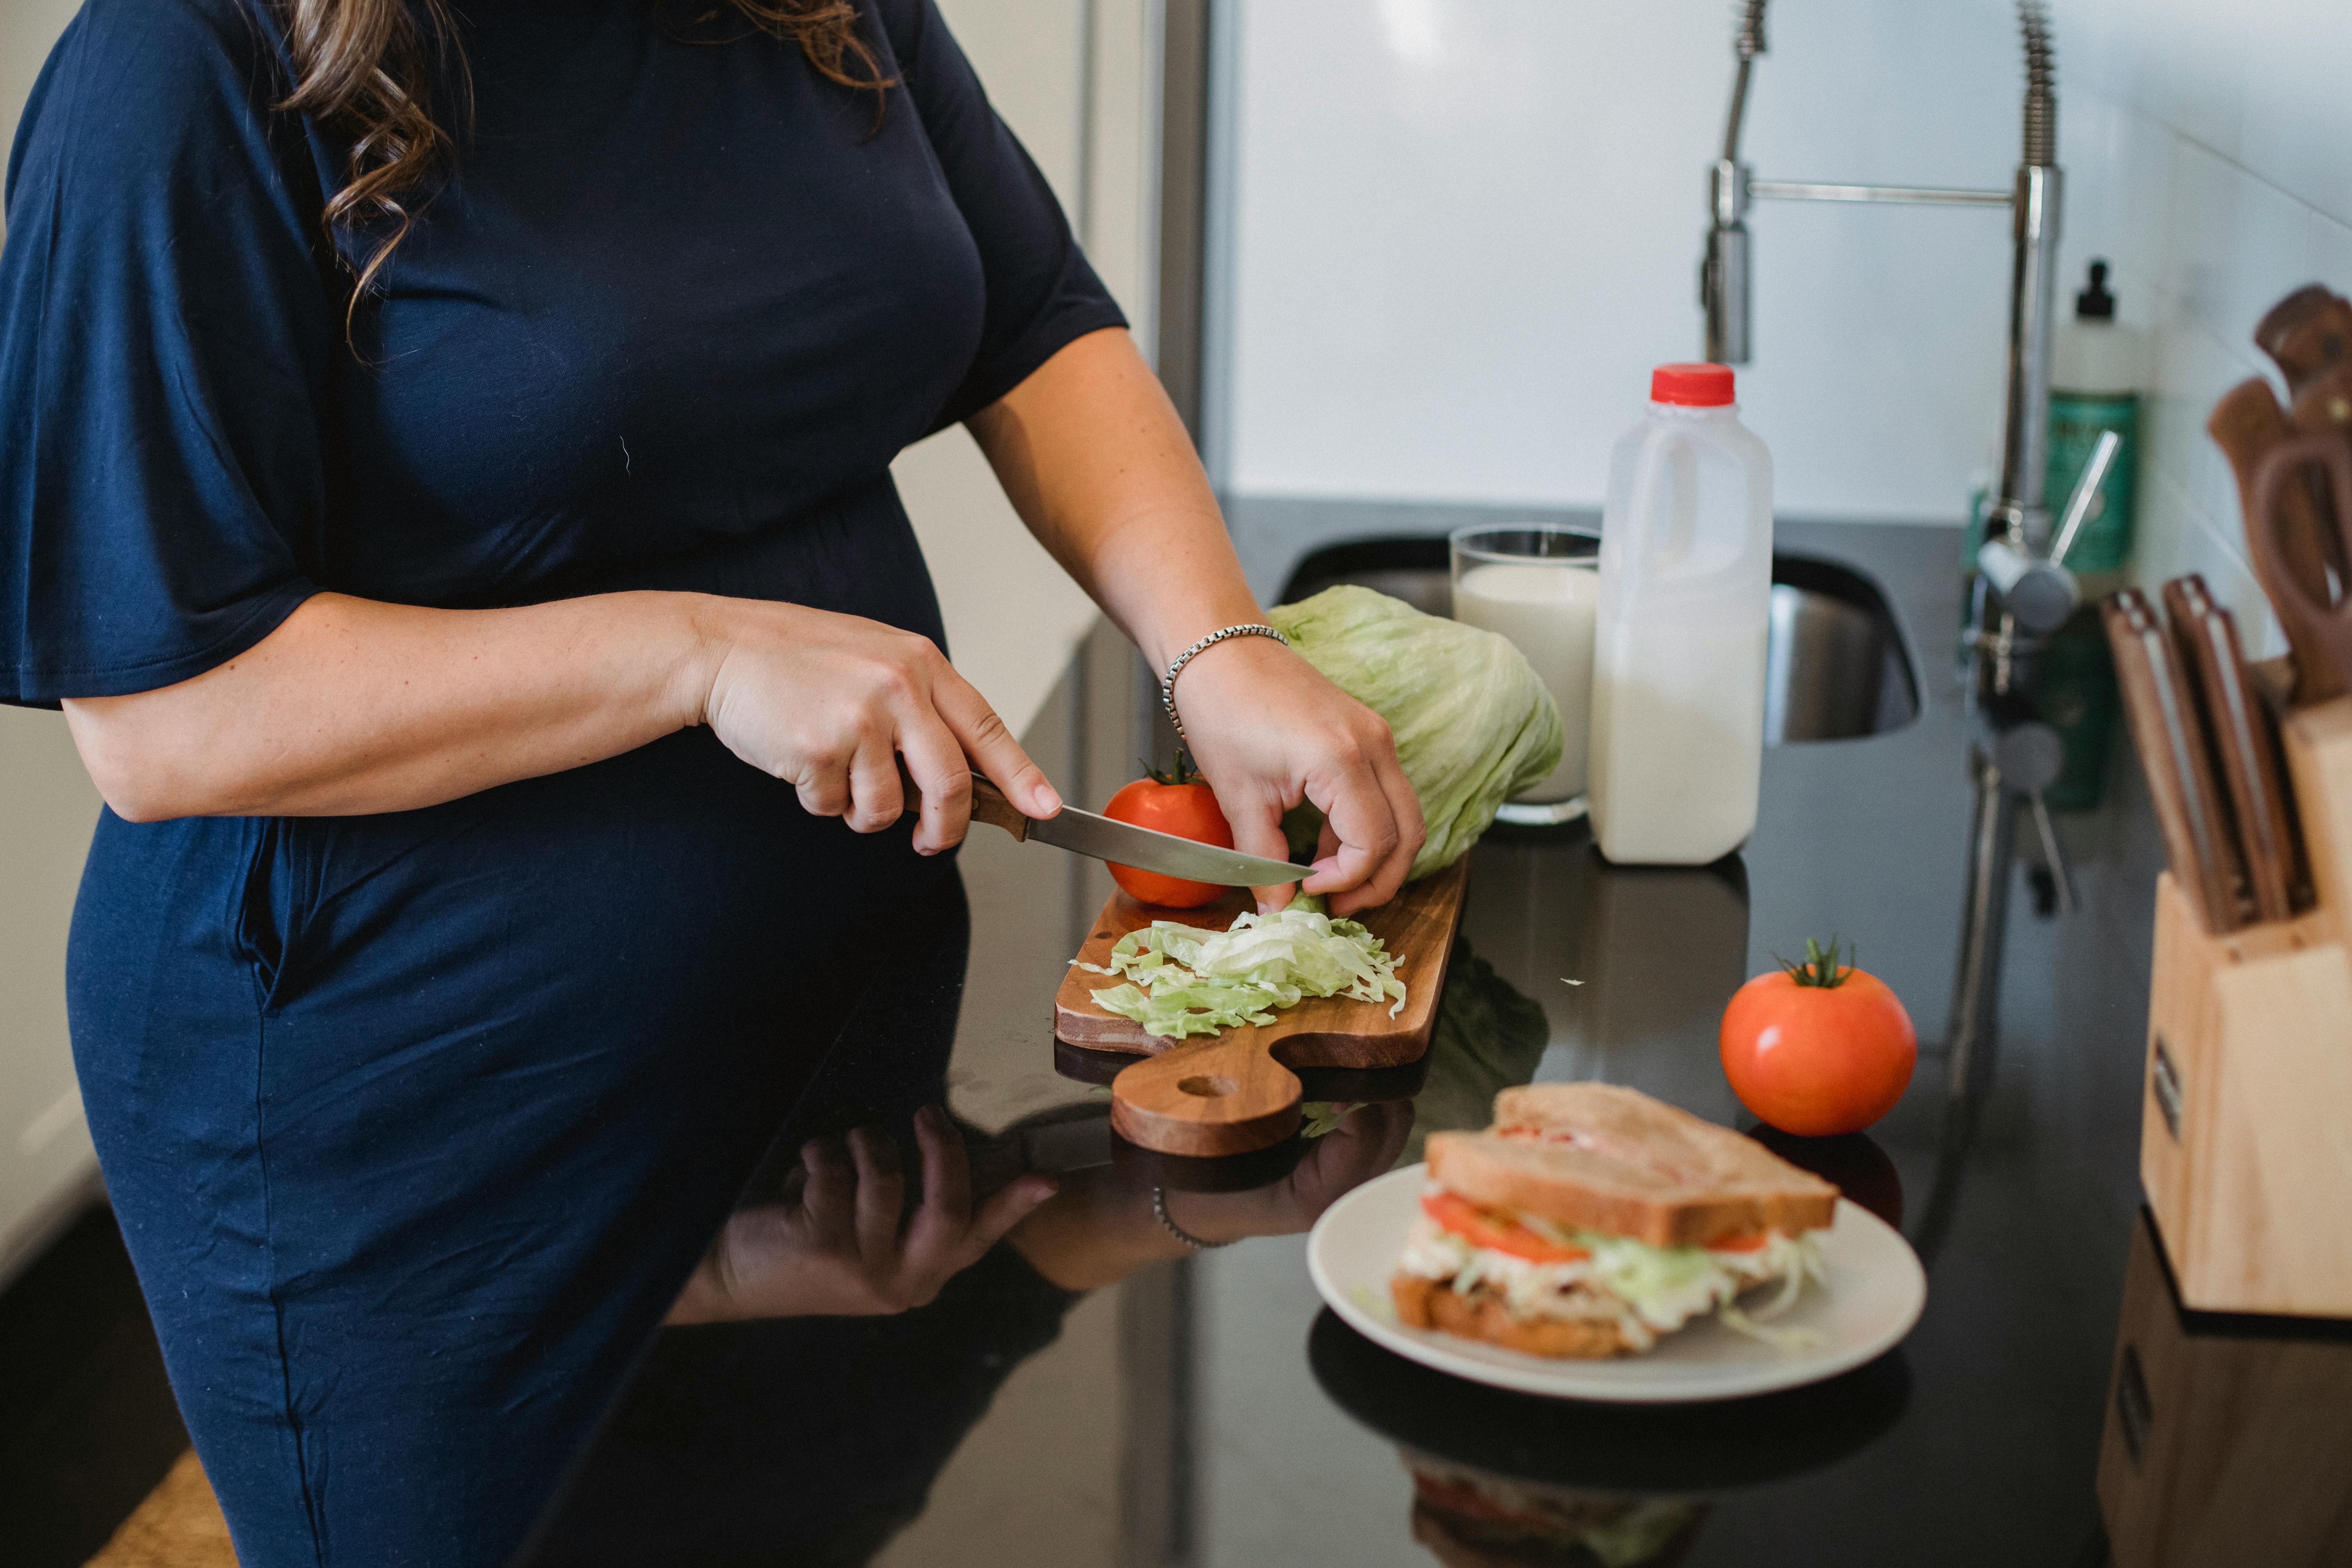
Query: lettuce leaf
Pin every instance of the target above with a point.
(1474, 725)
(1181, 980)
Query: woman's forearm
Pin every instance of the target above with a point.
(1093, 456)
(1096, 461)
(353, 705)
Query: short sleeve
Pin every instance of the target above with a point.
(1041, 292)
(165, 342)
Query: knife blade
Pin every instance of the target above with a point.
(2239, 725)
(2179, 778)
(1124, 844)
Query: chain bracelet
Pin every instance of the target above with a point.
(1168, 681)
(1159, 1213)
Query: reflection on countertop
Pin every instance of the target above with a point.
(1204, 1411)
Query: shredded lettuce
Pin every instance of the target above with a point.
(1659, 1287)
(1181, 980)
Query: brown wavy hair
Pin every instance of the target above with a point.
(388, 76)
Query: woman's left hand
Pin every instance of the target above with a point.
(1269, 729)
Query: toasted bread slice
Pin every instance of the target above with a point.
(1611, 1159)
(1435, 1304)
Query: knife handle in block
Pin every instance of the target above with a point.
(2248, 424)
(2307, 614)
(2239, 729)
(2305, 334)
(2165, 731)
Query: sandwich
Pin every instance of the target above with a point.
(1591, 1220)
(1470, 1519)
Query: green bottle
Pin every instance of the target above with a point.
(2096, 377)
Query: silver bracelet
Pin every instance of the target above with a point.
(1168, 681)
(1159, 1213)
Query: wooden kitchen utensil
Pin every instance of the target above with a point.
(2310, 616)
(2238, 726)
(1236, 1092)
(2289, 556)
(2323, 406)
(2305, 333)
(2167, 731)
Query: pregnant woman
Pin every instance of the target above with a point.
(444, 479)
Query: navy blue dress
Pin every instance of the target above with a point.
(415, 1121)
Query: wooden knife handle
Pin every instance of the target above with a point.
(2180, 780)
(2248, 424)
(2323, 406)
(2307, 615)
(2246, 751)
(2305, 333)
(987, 804)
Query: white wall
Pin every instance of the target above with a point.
(2213, 151)
(1461, 231)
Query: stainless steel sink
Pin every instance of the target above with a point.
(1836, 669)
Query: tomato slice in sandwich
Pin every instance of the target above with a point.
(1753, 1241)
(1496, 1232)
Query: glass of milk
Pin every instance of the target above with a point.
(1538, 584)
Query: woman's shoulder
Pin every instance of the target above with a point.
(142, 60)
(138, 84)
(905, 23)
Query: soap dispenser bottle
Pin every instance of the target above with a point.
(2097, 371)
(1677, 747)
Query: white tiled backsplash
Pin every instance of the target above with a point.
(1460, 231)
(2209, 148)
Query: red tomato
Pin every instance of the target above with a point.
(1183, 806)
(1818, 1048)
(1497, 1233)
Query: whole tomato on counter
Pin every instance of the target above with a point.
(1818, 1048)
(1180, 804)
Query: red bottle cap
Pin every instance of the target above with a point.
(1692, 386)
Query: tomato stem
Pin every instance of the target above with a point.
(1820, 968)
(1179, 777)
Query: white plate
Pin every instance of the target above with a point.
(1876, 1293)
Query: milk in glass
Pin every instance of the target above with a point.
(1545, 609)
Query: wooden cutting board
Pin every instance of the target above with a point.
(1234, 1092)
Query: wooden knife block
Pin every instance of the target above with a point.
(2246, 1130)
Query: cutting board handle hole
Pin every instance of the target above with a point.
(1206, 1086)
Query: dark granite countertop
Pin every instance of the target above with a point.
(1209, 1412)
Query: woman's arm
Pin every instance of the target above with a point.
(1100, 469)
(351, 705)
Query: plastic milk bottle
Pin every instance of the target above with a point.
(1678, 651)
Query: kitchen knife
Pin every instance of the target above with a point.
(2289, 558)
(2323, 406)
(2179, 779)
(2317, 620)
(2238, 724)
(2304, 334)
(1084, 833)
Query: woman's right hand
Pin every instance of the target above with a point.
(831, 702)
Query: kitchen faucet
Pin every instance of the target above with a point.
(2022, 592)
